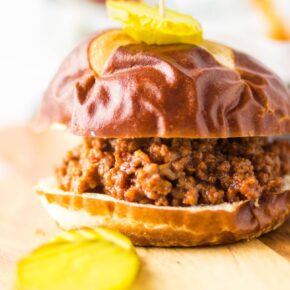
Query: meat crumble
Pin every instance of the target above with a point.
(176, 172)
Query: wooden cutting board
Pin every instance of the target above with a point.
(260, 264)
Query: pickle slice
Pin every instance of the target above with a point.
(223, 54)
(102, 47)
(88, 259)
(144, 23)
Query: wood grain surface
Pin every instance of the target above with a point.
(25, 156)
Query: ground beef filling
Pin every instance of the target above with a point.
(176, 172)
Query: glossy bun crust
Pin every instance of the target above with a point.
(167, 91)
(149, 225)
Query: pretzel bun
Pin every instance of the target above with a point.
(149, 225)
(111, 86)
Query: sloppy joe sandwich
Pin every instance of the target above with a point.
(181, 141)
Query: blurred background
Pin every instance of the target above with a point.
(37, 34)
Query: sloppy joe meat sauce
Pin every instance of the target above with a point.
(176, 172)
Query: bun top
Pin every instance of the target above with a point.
(110, 86)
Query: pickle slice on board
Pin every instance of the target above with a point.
(144, 23)
(98, 259)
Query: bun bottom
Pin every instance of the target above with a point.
(166, 226)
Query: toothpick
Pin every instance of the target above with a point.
(162, 8)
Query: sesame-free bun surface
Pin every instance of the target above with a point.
(111, 86)
(149, 225)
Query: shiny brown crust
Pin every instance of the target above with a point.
(149, 225)
(166, 91)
